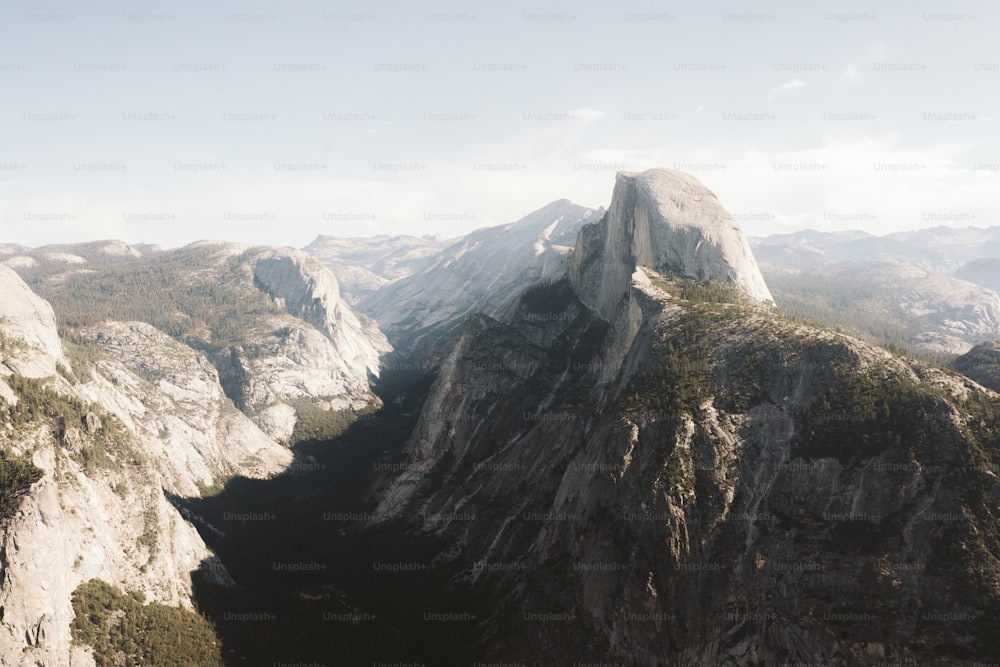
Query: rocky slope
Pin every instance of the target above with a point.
(984, 271)
(697, 480)
(30, 325)
(481, 272)
(982, 364)
(365, 265)
(270, 320)
(892, 301)
(118, 427)
(329, 362)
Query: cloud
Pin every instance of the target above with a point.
(586, 115)
(788, 85)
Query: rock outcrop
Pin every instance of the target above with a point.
(30, 340)
(668, 221)
(309, 291)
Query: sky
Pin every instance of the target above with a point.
(275, 122)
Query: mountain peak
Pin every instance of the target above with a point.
(668, 221)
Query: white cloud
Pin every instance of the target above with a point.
(788, 85)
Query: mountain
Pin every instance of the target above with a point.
(668, 471)
(984, 271)
(892, 301)
(365, 265)
(957, 244)
(808, 250)
(897, 288)
(484, 271)
(666, 220)
(811, 238)
(588, 436)
(937, 249)
(481, 272)
(270, 320)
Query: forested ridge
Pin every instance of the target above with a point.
(179, 293)
(125, 632)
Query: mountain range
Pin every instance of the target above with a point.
(932, 291)
(617, 436)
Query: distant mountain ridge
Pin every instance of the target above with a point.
(933, 290)
(365, 265)
(938, 249)
(425, 288)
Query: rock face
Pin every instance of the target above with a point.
(310, 292)
(656, 473)
(28, 325)
(668, 221)
(156, 424)
(482, 272)
(322, 352)
(74, 527)
(171, 397)
(725, 499)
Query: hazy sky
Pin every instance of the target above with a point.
(275, 122)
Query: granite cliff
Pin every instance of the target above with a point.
(123, 420)
(645, 463)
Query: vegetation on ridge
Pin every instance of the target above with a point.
(38, 404)
(17, 474)
(189, 300)
(846, 304)
(124, 632)
(859, 414)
